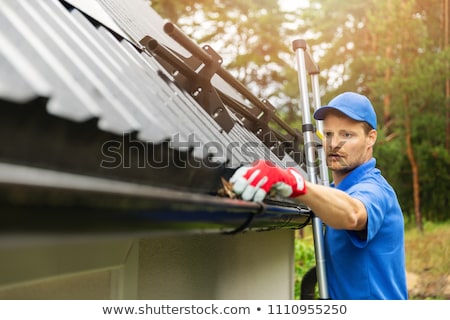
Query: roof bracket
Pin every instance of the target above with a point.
(193, 73)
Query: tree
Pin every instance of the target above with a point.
(446, 31)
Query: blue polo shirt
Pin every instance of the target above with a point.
(371, 268)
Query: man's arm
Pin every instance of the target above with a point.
(334, 207)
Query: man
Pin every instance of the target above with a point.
(364, 236)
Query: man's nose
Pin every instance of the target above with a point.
(333, 142)
(330, 141)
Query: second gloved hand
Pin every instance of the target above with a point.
(254, 182)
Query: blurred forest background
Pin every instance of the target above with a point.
(396, 52)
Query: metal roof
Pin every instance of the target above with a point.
(75, 77)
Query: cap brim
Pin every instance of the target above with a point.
(320, 113)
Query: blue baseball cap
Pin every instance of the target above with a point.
(353, 105)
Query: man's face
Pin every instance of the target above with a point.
(346, 143)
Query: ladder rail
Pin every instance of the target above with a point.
(306, 66)
(319, 124)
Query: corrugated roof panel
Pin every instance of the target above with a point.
(123, 106)
(124, 74)
(159, 97)
(138, 19)
(19, 80)
(67, 94)
(188, 122)
(91, 74)
(252, 148)
(145, 90)
(189, 119)
(93, 9)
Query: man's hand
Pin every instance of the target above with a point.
(254, 182)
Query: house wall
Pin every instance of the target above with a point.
(251, 265)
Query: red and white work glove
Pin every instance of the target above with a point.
(254, 182)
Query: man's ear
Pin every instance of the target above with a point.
(372, 137)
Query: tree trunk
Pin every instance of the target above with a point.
(447, 81)
(414, 167)
(387, 97)
(387, 79)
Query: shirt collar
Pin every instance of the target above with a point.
(355, 175)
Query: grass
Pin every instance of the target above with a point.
(427, 258)
(428, 251)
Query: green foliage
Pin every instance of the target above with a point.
(304, 260)
(435, 163)
(245, 33)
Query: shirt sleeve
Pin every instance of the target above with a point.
(373, 198)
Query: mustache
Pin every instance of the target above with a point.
(338, 154)
(335, 151)
(335, 154)
(341, 160)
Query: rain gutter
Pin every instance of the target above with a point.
(42, 201)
